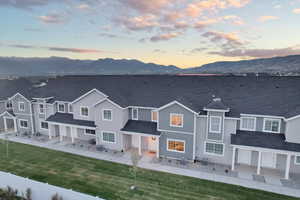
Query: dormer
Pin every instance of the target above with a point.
(216, 105)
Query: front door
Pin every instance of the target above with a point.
(9, 124)
(152, 144)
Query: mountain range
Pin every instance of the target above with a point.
(17, 66)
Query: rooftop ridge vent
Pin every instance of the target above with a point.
(41, 84)
(217, 99)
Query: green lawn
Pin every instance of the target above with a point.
(112, 181)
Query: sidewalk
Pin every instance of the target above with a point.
(146, 164)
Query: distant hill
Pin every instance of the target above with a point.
(288, 65)
(15, 66)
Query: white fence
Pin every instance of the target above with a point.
(40, 191)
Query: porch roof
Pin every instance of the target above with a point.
(138, 126)
(263, 140)
(67, 118)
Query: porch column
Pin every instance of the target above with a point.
(233, 158)
(60, 132)
(287, 167)
(157, 147)
(50, 131)
(72, 133)
(15, 125)
(259, 163)
(5, 125)
(140, 145)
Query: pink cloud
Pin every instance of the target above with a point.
(52, 19)
(165, 36)
(267, 18)
(139, 22)
(296, 11)
(146, 6)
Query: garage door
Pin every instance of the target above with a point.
(268, 160)
(244, 156)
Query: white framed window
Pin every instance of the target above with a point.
(215, 124)
(108, 137)
(9, 105)
(248, 123)
(41, 109)
(84, 111)
(154, 116)
(214, 148)
(23, 123)
(61, 107)
(90, 132)
(44, 125)
(176, 145)
(134, 114)
(297, 160)
(271, 125)
(176, 120)
(107, 115)
(21, 106)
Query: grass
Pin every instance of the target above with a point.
(112, 181)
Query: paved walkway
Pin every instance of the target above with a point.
(145, 163)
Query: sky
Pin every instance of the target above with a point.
(184, 33)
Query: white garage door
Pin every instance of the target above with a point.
(268, 160)
(244, 156)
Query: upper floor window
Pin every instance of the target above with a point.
(248, 123)
(176, 120)
(41, 108)
(154, 116)
(215, 124)
(9, 105)
(23, 123)
(134, 114)
(107, 115)
(21, 106)
(176, 145)
(272, 125)
(61, 107)
(214, 148)
(297, 160)
(84, 111)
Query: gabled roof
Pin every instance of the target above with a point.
(216, 104)
(276, 96)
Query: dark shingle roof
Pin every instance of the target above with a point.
(138, 126)
(67, 118)
(279, 96)
(263, 140)
(216, 104)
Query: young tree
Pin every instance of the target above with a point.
(135, 158)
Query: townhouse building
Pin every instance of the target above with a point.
(227, 120)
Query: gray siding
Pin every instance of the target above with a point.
(215, 136)
(38, 118)
(144, 114)
(188, 138)
(2, 109)
(293, 131)
(164, 119)
(15, 104)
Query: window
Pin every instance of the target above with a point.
(21, 106)
(134, 114)
(154, 116)
(248, 123)
(297, 160)
(44, 125)
(90, 132)
(107, 115)
(272, 125)
(176, 120)
(176, 145)
(84, 111)
(23, 123)
(41, 108)
(9, 105)
(61, 107)
(214, 148)
(109, 137)
(215, 124)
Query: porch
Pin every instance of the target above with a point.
(8, 122)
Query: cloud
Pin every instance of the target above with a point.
(198, 50)
(259, 53)
(203, 23)
(147, 6)
(224, 40)
(109, 35)
(165, 36)
(144, 22)
(27, 4)
(30, 29)
(84, 6)
(267, 18)
(158, 51)
(296, 11)
(53, 18)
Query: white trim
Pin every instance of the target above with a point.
(291, 118)
(80, 113)
(253, 148)
(215, 110)
(177, 140)
(214, 154)
(110, 101)
(142, 134)
(85, 133)
(154, 111)
(42, 121)
(245, 129)
(19, 105)
(89, 92)
(114, 133)
(142, 107)
(176, 102)
(6, 112)
(219, 130)
(39, 108)
(58, 104)
(23, 114)
(267, 116)
(182, 119)
(137, 114)
(5, 123)
(295, 160)
(194, 137)
(165, 130)
(76, 126)
(24, 120)
(20, 95)
(111, 114)
(271, 119)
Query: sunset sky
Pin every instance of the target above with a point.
(184, 33)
